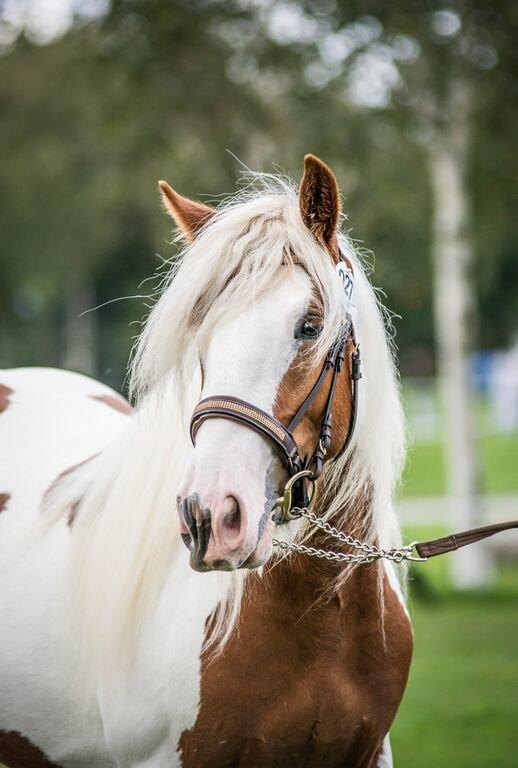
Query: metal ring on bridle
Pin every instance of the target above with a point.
(284, 502)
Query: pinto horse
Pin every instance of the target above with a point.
(116, 648)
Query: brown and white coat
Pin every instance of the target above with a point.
(103, 650)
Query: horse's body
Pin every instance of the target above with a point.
(303, 662)
(50, 421)
(308, 669)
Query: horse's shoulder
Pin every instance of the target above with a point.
(50, 421)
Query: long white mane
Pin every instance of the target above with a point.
(126, 537)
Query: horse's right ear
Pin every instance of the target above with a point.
(188, 215)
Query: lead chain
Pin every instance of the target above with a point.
(368, 554)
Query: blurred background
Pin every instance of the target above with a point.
(415, 106)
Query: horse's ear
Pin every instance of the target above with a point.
(189, 216)
(319, 199)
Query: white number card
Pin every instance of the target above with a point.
(346, 277)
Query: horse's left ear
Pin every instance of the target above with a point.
(319, 199)
(189, 215)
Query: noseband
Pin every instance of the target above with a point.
(280, 435)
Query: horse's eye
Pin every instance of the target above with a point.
(310, 328)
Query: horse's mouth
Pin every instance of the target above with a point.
(258, 557)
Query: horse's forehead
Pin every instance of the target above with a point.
(265, 327)
(247, 355)
(272, 309)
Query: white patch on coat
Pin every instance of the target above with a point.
(395, 584)
(385, 758)
(51, 424)
(246, 357)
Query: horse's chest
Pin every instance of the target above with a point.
(310, 688)
(278, 715)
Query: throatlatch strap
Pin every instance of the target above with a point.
(435, 547)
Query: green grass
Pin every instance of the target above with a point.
(460, 708)
(425, 471)
(499, 455)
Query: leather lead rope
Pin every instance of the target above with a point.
(361, 552)
(434, 547)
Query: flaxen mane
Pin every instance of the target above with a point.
(125, 536)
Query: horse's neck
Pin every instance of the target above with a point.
(307, 605)
(315, 577)
(354, 518)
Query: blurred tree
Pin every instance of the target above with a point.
(156, 88)
(92, 121)
(448, 85)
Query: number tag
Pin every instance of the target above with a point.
(346, 278)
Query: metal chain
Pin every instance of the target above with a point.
(368, 554)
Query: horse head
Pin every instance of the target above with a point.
(268, 386)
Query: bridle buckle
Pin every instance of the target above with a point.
(284, 502)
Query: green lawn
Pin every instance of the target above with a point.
(424, 473)
(461, 705)
(425, 469)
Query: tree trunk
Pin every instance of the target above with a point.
(79, 335)
(454, 321)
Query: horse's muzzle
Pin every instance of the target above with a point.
(216, 539)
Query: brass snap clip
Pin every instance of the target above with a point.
(414, 558)
(284, 502)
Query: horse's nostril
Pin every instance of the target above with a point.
(215, 539)
(230, 524)
(198, 520)
(232, 518)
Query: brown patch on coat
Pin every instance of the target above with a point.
(319, 200)
(294, 388)
(4, 397)
(309, 677)
(114, 401)
(54, 484)
(4, 498)
(189, 215)
(16, 751)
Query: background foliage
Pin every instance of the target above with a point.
(145, 89)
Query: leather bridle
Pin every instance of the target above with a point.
(294, 502)
(280, 435)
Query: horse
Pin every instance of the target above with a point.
(119, 646)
